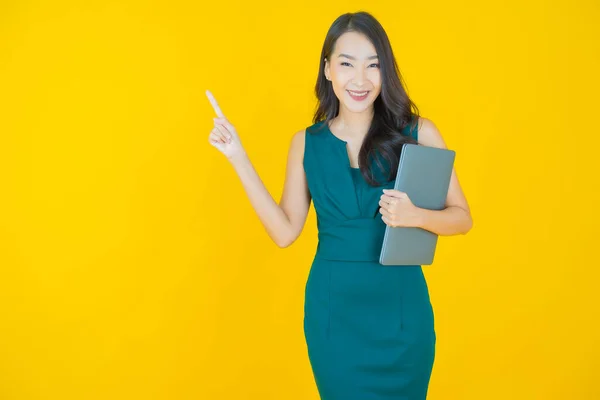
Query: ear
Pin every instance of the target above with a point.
(326, 69)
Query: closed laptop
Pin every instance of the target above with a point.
(424, 175)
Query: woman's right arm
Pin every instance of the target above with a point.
(284, 221)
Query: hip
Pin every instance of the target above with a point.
(369, 300)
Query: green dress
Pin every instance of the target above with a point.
(369, 328)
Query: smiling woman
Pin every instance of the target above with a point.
(369, 328)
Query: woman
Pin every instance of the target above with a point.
(369, 328)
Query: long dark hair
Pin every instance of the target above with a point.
(393, 109)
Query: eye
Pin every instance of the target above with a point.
(347, 63)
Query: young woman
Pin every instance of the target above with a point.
(369, 328)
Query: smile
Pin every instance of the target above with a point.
(358, 95)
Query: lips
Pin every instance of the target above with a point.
(358, 95)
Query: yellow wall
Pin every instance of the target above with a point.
(133, 266)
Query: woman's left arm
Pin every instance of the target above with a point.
(456, 217)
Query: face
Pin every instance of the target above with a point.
(354, 67)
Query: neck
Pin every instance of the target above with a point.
(353, 124)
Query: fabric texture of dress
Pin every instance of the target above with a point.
(369, 328)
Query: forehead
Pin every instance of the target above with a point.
(355, 44)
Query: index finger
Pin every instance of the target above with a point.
(213, 101)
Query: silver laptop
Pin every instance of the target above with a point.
(424, 175)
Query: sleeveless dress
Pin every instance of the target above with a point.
(369, 328)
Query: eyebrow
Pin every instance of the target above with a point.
(354, 58)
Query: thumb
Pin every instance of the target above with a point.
(393, 193)
(220, 146)
(227, 124)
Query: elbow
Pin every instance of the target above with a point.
(284, 242)
(468, 225)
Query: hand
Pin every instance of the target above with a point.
(224, 136)
(397, 210)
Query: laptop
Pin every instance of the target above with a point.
(424, 175)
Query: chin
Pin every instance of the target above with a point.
(358, 107)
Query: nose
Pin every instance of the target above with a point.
(359, 78)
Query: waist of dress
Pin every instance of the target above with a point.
(358, 239)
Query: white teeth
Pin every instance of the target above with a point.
(357, 93)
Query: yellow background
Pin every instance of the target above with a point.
(134, 267)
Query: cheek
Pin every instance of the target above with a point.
(339, 80)
(341, 74)
(339, 85)
(376, 80)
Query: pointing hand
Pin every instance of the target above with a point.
(224, 136)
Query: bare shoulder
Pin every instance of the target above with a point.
(297, 144)
(298, 137)
(429, 134)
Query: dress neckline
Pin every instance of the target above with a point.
(341, 141)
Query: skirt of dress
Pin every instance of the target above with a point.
(369, 330)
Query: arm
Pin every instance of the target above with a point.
(456, 217)
(284, 221)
